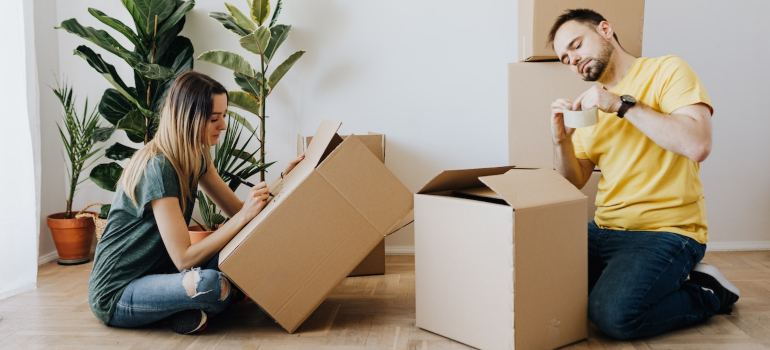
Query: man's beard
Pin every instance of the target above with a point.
(601, 62)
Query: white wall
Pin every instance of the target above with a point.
(53, 175)
(431, 75)
(727, 43)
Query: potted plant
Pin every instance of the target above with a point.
(233, 163)
(262, 39)
(73, 236)
(159, 55)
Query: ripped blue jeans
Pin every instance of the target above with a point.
(154, 297)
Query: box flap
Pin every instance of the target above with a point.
(315, 152)
(459, 179)
(377, 194)
(526, 188)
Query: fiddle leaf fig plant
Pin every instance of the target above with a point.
(262, 39)
(158, 56)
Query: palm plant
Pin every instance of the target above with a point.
(230, 157)
(263, 39)
(159, 55)
(78, 140)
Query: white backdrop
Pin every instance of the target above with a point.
(19, 209)
(431, 75)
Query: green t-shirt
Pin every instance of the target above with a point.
(131, 246)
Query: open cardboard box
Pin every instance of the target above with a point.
(536, 17)
(501, 258)
(374, 263)
(327, 215)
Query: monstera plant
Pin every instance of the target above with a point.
(263, 39)
(159, 55)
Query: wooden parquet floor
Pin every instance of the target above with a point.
(374, 312)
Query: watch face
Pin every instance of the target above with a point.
(628, 99)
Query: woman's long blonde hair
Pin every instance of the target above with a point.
(182, 135)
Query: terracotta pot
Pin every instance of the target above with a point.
(73, 238)
(197, 234)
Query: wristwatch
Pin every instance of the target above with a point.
(627, 102)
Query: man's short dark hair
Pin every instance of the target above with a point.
(584, 16)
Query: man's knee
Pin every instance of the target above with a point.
(614, 318)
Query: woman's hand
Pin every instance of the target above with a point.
(293, 163)
(255, 201)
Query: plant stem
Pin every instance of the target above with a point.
(264, 116)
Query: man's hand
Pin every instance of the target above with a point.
(293, 163)
(559, 131)
(598, 97)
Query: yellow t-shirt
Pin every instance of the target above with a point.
(643, 186)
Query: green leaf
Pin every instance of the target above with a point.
(243, 155)
(105, 211)
(105, 69)
(119, 151)
(114, 106)
(100, 38)
(175, 17)
(106, 175)
(260, 9)
(134, 125)
(229, 23)
(284, 67)
(278, 35)
(241, 120)
(228, 60)
(256, 42)
(244, 22)
(276, 12)
(119, 26)
(152, 71)
(245, 101)
(103, 134)
(247, 83)
(149, 14)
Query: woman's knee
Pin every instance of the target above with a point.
(198, 282)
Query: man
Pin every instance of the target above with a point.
(650, 226)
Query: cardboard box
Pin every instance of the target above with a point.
(327, 215)
(531, 89)
(507, 270)
(374, 263)
(537, 16)
(590, 189)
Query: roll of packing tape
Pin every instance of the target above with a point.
(580, 119)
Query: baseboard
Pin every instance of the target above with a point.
(19, 290)
(44, 259)
(399, 250)
(724, 246)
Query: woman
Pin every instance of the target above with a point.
(145, 269)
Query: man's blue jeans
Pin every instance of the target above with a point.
(637, 282)
(154, 297)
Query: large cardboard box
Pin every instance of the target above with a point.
(374, 263)
(531, 89)
(501, 258)
(590, 189)
(327, 215)
(537, 16)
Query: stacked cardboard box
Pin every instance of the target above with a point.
(501, 253)
(374, 263)
(326, 216)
